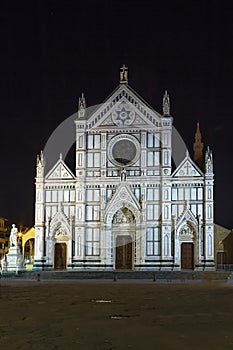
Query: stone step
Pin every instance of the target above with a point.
(121, 274)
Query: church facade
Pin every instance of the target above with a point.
(126, 205)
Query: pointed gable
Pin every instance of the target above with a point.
(59, 225)
(186, 216)
(187, 168)
(123, 197)
(124, 108)
(60, 171)
(124, 194)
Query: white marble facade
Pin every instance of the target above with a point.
(125, 186)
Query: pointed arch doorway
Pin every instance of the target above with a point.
(60, 256)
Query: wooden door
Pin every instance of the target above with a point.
(60, 256)
(221, 260)
(187, 258)
(124, 253)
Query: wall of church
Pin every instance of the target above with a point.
(193, 193)
(59, 194)
(130, 195)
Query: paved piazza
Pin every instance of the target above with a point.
(115, 315)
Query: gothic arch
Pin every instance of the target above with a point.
(187, 240)
(111, 212)
(59, 226)
(123, 216)
(187, 230)
(122, 198)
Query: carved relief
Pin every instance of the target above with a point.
(60, 171)
(60, 232)
(123, 116)
(187, 169)
(186, 233)
(123, 216)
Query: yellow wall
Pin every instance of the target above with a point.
(4, 236)
(28, 235)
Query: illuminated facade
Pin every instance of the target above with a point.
(126, 206)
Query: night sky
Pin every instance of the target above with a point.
(52, 51)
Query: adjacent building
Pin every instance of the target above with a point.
(222, 250)
(4, 237)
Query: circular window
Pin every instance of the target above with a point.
(123, 150)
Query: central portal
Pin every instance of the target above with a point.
(124, 253)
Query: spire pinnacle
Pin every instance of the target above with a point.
(81, 106)
(209, 161)
(40, 164)
(124, 75)
(198, 148)
(166, 104)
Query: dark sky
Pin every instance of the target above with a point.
(51, 51)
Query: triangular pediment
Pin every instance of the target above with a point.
(124, 109)
(60, 171)
(187, 168)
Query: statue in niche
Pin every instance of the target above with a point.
(141, 200)
(123, 175)
(118, 217)
(129, 216)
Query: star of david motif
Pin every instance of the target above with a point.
(123, 116)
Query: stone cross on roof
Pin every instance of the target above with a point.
(124, 75)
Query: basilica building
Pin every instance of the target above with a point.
(127, 204)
